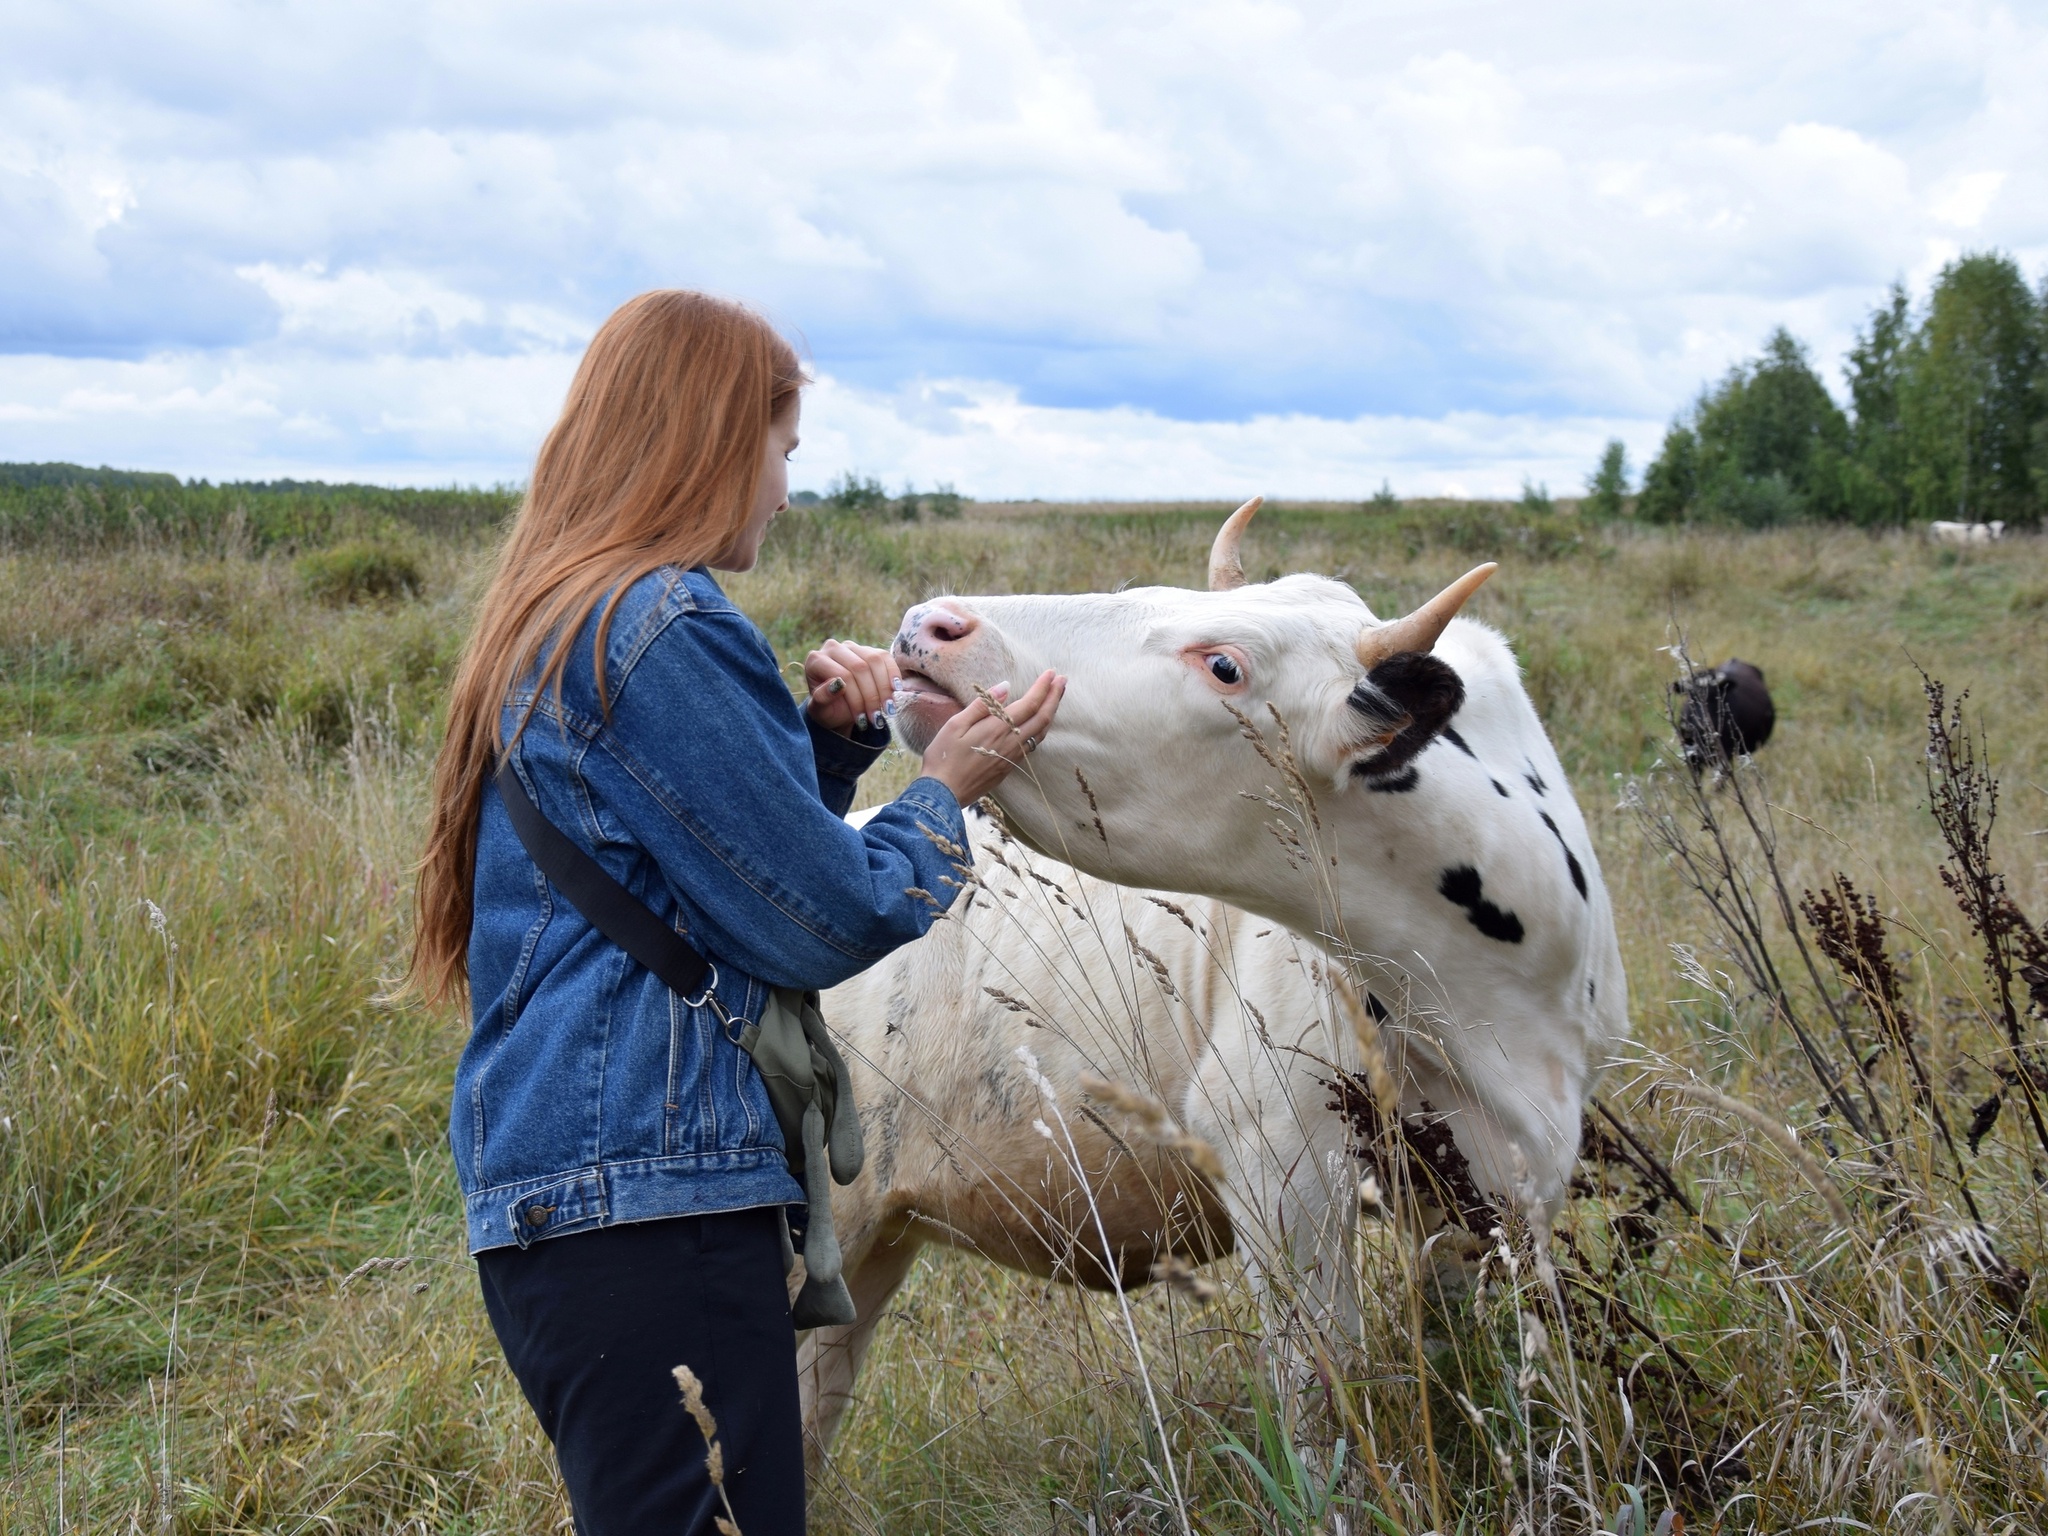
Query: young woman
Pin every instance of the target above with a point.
(619, 1158)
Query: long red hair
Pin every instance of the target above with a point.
(655, 461)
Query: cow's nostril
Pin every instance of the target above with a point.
(942, 627)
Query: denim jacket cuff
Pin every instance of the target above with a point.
(941, 812)
(844, 757)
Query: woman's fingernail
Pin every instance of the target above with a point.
(837, 685)
(861, 721)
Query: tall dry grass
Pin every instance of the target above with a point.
(208, 1129)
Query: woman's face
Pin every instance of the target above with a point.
(770, 497)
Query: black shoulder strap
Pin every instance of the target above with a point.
(610, 908)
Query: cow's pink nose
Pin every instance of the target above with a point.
(934, 626)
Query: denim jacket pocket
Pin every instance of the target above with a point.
(688, 1112)
(715, 1099)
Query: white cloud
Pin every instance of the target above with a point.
(980, 434)
(409, 419)
(1965, 203)
(1127, 222)
(269, 413)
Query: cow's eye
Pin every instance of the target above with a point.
(1225, 669)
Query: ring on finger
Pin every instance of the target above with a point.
(1030, 743)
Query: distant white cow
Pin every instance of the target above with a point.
(1966, 533)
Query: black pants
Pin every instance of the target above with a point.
(595, 1323)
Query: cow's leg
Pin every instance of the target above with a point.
(829, 1359)
(1289, 1181)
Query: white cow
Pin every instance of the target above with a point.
(1966, 533)
(1406, 808)
(1401, 803)
(1170, 1029)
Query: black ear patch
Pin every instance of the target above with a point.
(1416, 688)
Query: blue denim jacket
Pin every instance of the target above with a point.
(589, 1093)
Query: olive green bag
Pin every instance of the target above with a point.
(807, 1082)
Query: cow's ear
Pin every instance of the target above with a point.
(1400, 708)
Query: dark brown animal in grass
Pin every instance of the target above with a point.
(1727, 712)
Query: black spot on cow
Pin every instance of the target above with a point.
(1376, 1008)
(1458, 741)
(1411, 695)
(1397, 783)
(1500, 789)
(1532, 778)
(1463, 887)
(1571, 859)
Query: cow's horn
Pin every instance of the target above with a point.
(1419, 630)
(1225, 569)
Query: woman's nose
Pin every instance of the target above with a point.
(933, 626)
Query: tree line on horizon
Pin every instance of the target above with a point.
(1947, 418)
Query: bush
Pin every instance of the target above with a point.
(359, 569)
(854, 493)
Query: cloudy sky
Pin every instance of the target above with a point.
(1031, 247)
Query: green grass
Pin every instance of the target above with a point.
(207, 1123)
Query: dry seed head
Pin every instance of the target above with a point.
(1259, 1021)
(1176, 1273)
(1198, 1155)
(1141, 1107)
(372, 1267)
(1157, 966)
(1082, 779)
(693, 1404)
(1174, 909)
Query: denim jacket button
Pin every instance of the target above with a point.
(537, 1215)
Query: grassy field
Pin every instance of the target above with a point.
(232, 1290)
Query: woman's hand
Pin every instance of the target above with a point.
(976, 749)
(850, 685)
